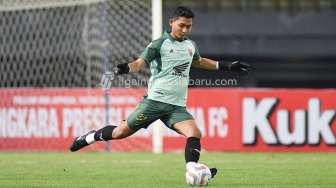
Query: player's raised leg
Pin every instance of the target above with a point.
(142, 116)
(106, 133)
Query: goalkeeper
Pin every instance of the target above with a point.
(169, 58)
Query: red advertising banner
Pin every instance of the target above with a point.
(230, 119)
(49, 119)
(288, 120)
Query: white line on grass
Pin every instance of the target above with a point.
(26, 162)
(104, 161)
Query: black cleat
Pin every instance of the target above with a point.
(213, 172)
(80, 142)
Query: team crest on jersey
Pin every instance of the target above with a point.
(190, 52)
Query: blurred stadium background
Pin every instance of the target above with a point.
(53, 54)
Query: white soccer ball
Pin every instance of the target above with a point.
(198, 174)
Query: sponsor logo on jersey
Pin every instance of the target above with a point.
(179, 69)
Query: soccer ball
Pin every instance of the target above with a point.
(198, 174)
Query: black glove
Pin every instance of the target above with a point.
(237, 66)
(121, 68)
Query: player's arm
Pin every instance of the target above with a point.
(236, 66)
(137, 65)
(204, 63)
(125, 68)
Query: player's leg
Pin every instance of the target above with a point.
(189, 129)
(106, 133)
(181, 121)
(143, 115)
(111, 132)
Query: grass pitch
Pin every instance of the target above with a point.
(167, 170)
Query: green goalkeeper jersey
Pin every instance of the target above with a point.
(170, 62)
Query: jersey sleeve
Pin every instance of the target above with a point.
(151, 52)
(196, 56)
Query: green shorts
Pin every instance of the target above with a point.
(149, 111)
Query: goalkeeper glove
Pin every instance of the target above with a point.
(121, 68)
(236, 66)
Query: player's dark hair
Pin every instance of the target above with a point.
(183, 11)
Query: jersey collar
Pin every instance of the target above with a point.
(167, 34)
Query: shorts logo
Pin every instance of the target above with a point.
(141, 117)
